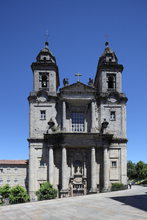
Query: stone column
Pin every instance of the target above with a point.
(92, 116)
(51, 164)
(72, 169)
(105, 171)
(64, 190)
(93, 171)
(84, 169)
(64, 116)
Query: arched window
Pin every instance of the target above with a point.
(44, 81)
(111, 80)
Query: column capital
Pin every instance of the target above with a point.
(63, 146)
(50, 145)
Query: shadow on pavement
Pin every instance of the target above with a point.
(137, 201)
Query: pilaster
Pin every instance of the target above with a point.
(64, 116)
(92, 116)
(105, 171)
(32, 174)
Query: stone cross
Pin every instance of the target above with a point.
(78, 76)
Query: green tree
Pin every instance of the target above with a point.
(18, 194)
(131, 170)
(5, 191)
(141, 170)
(46, 191)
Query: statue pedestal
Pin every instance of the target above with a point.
(64, 193)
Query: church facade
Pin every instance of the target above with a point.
(77, 134)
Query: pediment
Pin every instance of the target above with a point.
(78, 87)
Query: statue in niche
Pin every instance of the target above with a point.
(78, 167)
(78, 170)
(65, 82)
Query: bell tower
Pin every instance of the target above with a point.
(42, 109)
(108, 76)
(45, 72)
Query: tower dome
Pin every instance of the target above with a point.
(108, 56)
(45, 55)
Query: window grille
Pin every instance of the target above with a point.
(78, 122)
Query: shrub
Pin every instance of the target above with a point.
(5, 191)
(117, 186)
(46, 191)
(18, 194)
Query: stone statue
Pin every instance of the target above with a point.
(65, 82)
(52, 127)
(90, 83)
(104, 126)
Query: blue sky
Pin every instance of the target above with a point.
(77, 31)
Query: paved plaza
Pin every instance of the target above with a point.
(129, 204)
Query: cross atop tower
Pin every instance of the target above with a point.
(46, 35)
(78, 76)
(46, 39)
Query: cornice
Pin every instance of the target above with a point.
(104, 97)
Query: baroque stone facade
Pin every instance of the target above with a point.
(77, 134)
(77, 138)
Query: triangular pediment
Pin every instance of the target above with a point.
(78, 87)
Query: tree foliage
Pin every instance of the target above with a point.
(131, 170)
(137, 171)
(46, 191)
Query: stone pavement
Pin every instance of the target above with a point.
(129, 204)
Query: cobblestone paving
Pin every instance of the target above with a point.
(129, 204)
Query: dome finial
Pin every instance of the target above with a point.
(46, 39)
(106, 43)
(46, 44)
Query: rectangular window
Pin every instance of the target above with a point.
(111, 81)
(77, 121)
(42, 164)
(42, 114)
(1, 170)
(112, 116)
(8, 170)
(1, 181)
(15, 181)
(114, 164)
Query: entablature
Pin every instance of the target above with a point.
(82, 140)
